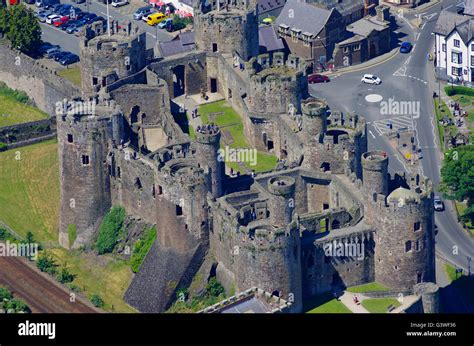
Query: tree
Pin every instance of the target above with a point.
(457, 175)
(46, 264)
(5, 294)
(65, 276)
(97, 301)
(214, 288)
(21, 28)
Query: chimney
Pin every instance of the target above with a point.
(383, 13)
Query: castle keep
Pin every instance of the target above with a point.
(329, 216)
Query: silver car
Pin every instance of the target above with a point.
(438, 204)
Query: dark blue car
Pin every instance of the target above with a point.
(406, 47)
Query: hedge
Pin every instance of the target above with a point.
(458, 90)
(110, 229)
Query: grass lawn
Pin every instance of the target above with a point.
(29, 201)
(14, 112)
(230, 121)
(370, 287)
(463, 100)
(331, 307)
(72, 74)
(460, 208)
(29, 190)
(451, 272)
(379, 305)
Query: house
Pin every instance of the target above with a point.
(368, 38)
(454, 47)
(310, 31)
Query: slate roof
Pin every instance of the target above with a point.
(269, 5)
(306, 17)
(448, 21)
(469, 7)
(365, 26)
(268, 38)
(184, 42)
(344, 7)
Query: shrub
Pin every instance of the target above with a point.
(46, 264)
(18, 305)
(65, 276)
(72, 234)
(5, 294)
(214, 288)
(97, 301)
(458, 90)
(3, 146)
(109, 231)
(141, 248)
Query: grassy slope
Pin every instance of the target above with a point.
(29, 201)
(231, 121)
(379, 305)
(72, 74)
(14, 112)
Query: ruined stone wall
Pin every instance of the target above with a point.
(26, 132)
(42, 85)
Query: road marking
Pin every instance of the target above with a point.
(148, 33)
(403, 122)
(373, 136)
(373, 98)
(417, 36)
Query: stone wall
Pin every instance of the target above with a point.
(26, 132)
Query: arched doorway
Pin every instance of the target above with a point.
(178, 80)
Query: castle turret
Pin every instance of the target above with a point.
(315, 113)
(227, 28)
(404, 252)
(282, 202)
(83, 137)
(375, 173)
(207, 147)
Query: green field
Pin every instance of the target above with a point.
(13, 111)
(229, 121)
(72, 74)
(29, 201)
(29, 190)
(379, 305)
(331, 307)
(370, 287)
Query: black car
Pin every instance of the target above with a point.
(60, 55)
(44, 47)
(56, 8)
(69, 59)
(68, 24)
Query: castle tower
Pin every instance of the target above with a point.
(106, 59)
(375, 173)
(227, 27)
(404, 251)
(282, 203)
(314, 125)
(207, 146)
(270, 258)
(83, 138)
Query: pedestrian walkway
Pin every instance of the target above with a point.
(347, 300)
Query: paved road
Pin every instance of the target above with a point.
(71, 43)
(41, 293)
(406, 77)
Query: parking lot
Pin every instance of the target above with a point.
(70, 42)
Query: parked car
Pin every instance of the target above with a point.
(58, 56)
(119, 3)
(49, 53)
(45, 46)
(143, 12)
(155, 18)
(56, 7)
(405, 47)
(371, 79)
(69, 59)
(438, 204)
(44, 15)
(60, 21)
(79, 1)
(66, 25)
(268, 20)
(65, 10)
(51, 18)
(165, 23)
(317, 78)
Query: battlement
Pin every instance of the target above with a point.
(96, 38)
(375, 160)
(313, 107)
(281, 186)
(172, 152)
(267, 67)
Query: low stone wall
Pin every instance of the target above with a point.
(15, 136)
(388, 294)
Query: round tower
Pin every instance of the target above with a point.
(230, 28)
(282, 202)
(404, 251)
(207, 148)
(315, 113)
(375, 172)
(269, 258)
(84, 179)
(429, 293)
(106, 59)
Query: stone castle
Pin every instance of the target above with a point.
(280, 231)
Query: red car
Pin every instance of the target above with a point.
(60, 21)
(318, 78)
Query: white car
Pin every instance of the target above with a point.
(438, 204)
(51, 18)
(371, 79)
(119, 3)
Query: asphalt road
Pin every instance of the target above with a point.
(41, 293)
(406, 77)
(123, 14)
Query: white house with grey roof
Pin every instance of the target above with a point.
(454, 47)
